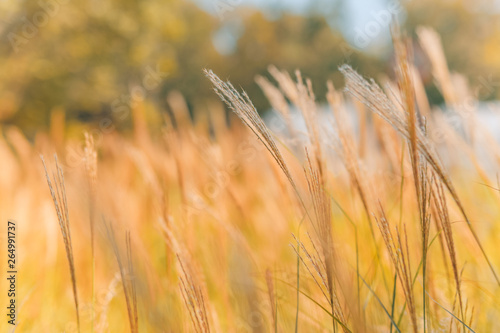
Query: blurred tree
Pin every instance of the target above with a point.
(94, 58)
(470, 33)
(290, 43)
(91, 57)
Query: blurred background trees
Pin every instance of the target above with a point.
(90, 59)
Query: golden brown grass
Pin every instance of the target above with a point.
(207, 210)
(58, 193)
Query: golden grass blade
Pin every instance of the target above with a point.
(58, 193)
(193, 299)
(127, 275)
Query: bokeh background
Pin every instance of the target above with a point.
(89, 61)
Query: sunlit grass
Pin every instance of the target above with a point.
(373, 226)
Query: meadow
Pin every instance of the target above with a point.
(380, 219)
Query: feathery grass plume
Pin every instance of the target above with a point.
(301, 94)
(373, 97)
(58, 192)
(400, 256)
(322, 225)
(244, 109)
(308, 108)
(439, 201)
(419, 164)
(405, 85)
(193, 299)
(390, 145)
(277, 101)
(346, 146)
(127, 275)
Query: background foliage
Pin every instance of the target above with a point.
(90, 58)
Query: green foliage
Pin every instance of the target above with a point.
(92, 58)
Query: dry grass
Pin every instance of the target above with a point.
(207, 209)
(58, 193)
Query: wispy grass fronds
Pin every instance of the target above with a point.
(241, 105)
(346, 146)
(308, 108)
(439, 200)
(322, 222)
(373, 97)
(400, 256)
(323, 263)
(193, 299)
(58, 192)
(418, 163)
(127, 275)
(316, 266)
(413, 123)
(301, 94)
(322, 225)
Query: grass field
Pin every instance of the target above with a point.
(387, 223)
